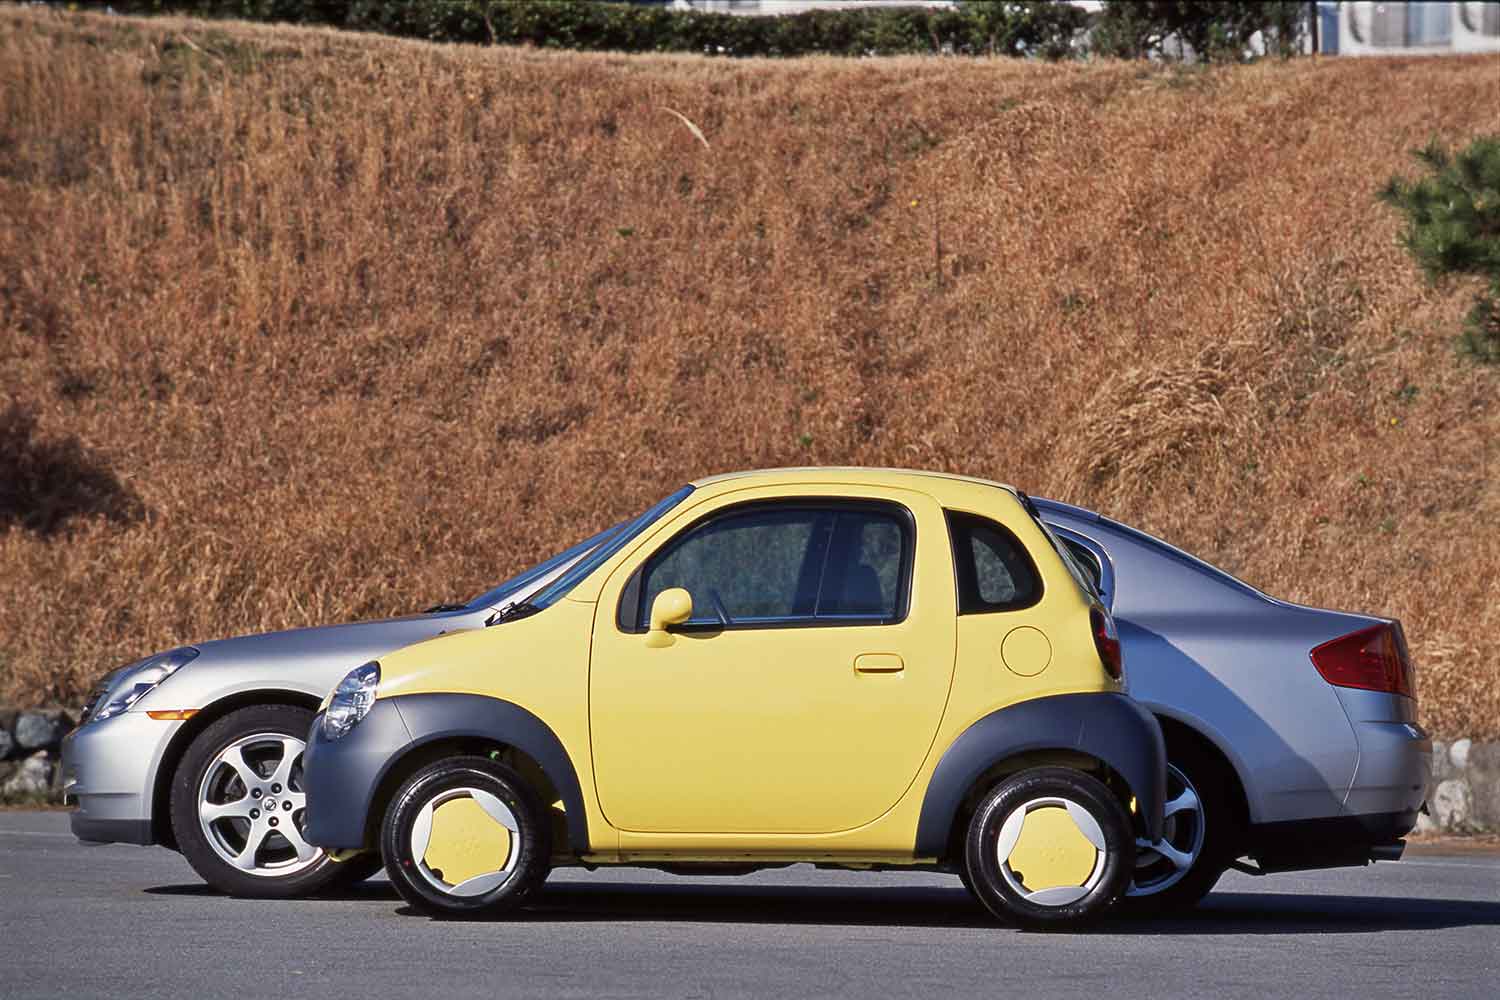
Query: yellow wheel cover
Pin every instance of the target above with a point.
(1051, 851)
(463, 841)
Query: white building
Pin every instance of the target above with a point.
(1370, 27)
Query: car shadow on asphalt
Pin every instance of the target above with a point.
(1222, 913)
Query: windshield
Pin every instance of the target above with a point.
(559, 588)
(497, 595)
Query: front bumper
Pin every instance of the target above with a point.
(109, 773)
(341, 775)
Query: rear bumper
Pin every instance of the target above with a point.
(1335, 842)
(109, 772)
(1395, 767)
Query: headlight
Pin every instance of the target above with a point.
(139, 681)
(352, 700)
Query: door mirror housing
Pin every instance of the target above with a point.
(672, 606)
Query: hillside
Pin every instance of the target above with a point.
(297, 327)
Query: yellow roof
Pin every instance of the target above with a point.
(852, 474)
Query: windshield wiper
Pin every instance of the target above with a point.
(513, 612)
(439, 608)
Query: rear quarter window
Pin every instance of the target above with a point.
(992, 569)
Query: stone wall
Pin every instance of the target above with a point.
(30, 742)
(1464, 796)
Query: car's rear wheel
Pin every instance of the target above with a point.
(1049, 848)
(1197, 838)
(465, 837)
(238, 807)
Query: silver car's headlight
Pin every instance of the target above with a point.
(352, 700)
(141, 680)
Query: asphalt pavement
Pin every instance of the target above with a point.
(81, 921)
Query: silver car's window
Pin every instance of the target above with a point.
(1080, 575)
(1090, 562)
(497, 594)
(559, 588)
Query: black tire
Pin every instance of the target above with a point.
(302, 878)
(1215, 824)
(529, 844)
(1003, 890)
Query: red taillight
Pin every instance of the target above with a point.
(1107, 641)
(1373, 659)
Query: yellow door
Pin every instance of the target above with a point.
(803, 694)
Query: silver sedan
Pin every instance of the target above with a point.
(1291, 731)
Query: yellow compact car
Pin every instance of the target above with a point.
(851, 667)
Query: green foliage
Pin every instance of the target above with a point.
(1453, 228)
(1026, 27)
(1213, 30)
(1480, 339)
(1453, 213)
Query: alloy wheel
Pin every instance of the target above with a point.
(1161, 865)
(252, 806)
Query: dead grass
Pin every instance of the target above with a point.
(354, 325)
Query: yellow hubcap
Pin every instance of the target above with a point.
(463, 841)
(1051, 851)
(466, 841)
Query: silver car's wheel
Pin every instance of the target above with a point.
(251, 806)
(1162, 865)
(238, 807)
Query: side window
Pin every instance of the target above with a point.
(752, 565)
(770, 564)
(994, 571)
(1084, 556)
(866, 559)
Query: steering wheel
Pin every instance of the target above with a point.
(718, 603)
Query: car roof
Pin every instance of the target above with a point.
(848, 473)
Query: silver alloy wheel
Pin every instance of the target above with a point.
(1010, 833)
(1163, 864)
(251, 806)
(478, 885)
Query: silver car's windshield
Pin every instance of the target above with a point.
(559, 588)
(497, 595)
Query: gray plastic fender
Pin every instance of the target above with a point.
(1112, 728)
(342, 775)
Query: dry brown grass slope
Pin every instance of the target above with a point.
(316, 327)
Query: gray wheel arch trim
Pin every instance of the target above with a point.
(342, 776)
(430, 718)
(1110, 727)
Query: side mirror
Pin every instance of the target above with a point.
(672, 606)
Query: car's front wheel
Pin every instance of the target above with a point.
(1049, 848)
(465, 836)
(238, 807)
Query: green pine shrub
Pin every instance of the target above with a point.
(1453, 229)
